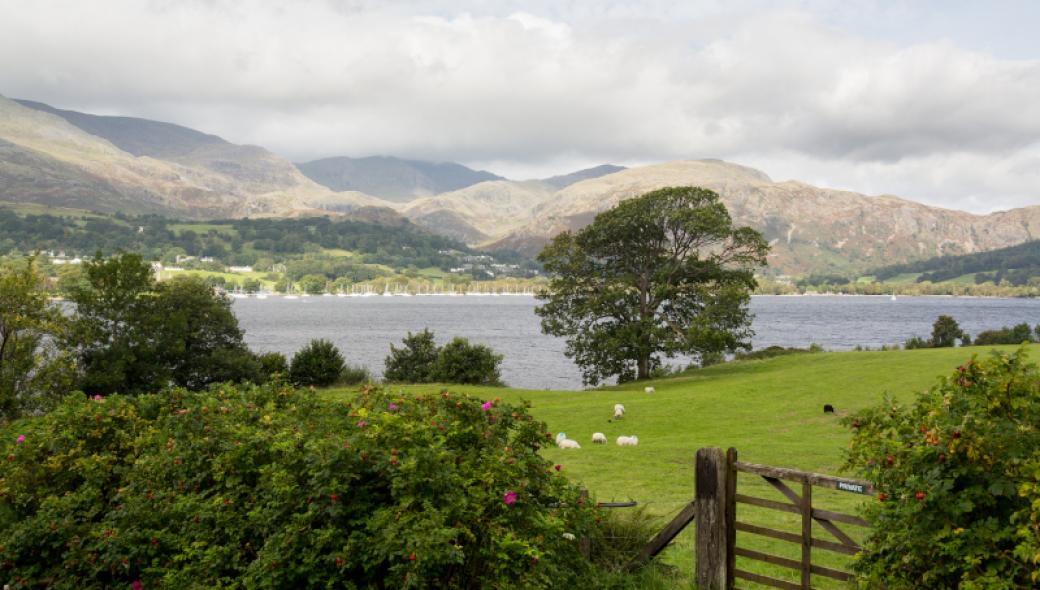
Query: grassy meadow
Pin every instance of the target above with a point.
(770, 410)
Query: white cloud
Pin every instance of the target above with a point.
(522, 87)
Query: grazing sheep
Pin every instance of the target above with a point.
(566, 443)
(619, 411)
(828, 409)
(649, 389)
(627, 441)
(599, 438)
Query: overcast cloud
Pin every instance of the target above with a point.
(937, 102)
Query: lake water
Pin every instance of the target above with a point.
(364, 327)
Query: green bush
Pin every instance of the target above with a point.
(319, 363)
(946, 332)
(272, 364)
(1014, 335)
(461, 362)
(958, 476)
(917, 342)
(775, 351)
(354, 375)
(413, 362)
(266, 487)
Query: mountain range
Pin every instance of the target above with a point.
(65, 158)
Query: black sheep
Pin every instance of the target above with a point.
(828, 409)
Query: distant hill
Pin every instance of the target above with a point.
(140, 137)
(478, 212)
(61, 158)
(811, 229)
(565, 180)
(122, 164)
(393, 179)
(1015, 264)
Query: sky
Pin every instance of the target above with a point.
(935, 101)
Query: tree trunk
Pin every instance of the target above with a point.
(643, 371)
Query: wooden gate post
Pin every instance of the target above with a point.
(715, 513)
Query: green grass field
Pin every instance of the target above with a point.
(769, 410)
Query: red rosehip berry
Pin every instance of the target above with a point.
(919, 496)
(889, 460)
(339, 562)
(956, 434)
(332, 497)
(881, 497)
(411, 557)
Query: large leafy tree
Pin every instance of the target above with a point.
(34, 372)
(133, 335)
(663, 274)
(201, 341)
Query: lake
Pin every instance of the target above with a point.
(364, 327)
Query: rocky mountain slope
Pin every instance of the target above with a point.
(565, 180)
(811, 229)
(111, 164)
(476, 213)
(393, 179)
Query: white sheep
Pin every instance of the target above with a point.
(560, 436)
(649, 389)
(566, 443)
(599, 438)
(627, 441)
(619, 411)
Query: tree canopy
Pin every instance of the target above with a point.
(132, 335)
(663, 274)
(34, 373)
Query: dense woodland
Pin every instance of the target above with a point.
(1015, 264)
(353, 251)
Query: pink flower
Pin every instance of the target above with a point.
(485, 406)
(20, 439)
(362, 424)
(392, 407)
(509, 498)
(136, 585)
(557, 467)
(98, 398)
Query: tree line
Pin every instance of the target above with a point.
(123, 332)
(242, 242)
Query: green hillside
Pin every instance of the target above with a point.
(770, 411)
(1016, 264)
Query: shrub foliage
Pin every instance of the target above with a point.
(319, 363)
(265, 487)
(958, 475)
(422, 361)
(413, 362)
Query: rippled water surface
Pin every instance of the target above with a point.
(364, 327)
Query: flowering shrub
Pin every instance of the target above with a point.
(958, 480)
(265, 487)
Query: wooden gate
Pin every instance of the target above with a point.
(715, 511)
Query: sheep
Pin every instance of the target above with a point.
(619, 411)
(649, 389)
(627, 441)
(599, 438)
(566, 443)
(560, 436)
(828, 409)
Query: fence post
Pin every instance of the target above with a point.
(713, 523)
(731, 516)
